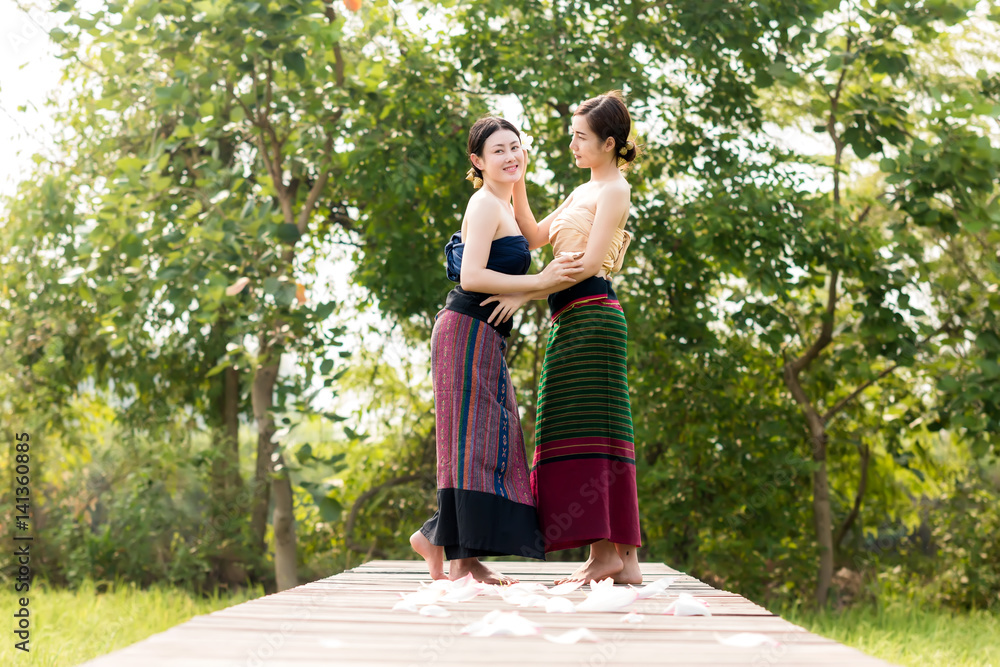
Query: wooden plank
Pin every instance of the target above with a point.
(346, 619)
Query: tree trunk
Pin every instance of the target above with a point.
(822, 514)
(265, 478)
(262, 397)
(285, 558)
(231, 430)
(865, 453)
(226, 479)
(226, 483)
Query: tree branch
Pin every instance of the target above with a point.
(864, 214)
(826, 330)
(838, 144)
(865, 453)
(315, 191)
(338, 58)
(829, 414)
(842, 403)
(360, 502)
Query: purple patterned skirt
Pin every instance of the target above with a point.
(485, 503)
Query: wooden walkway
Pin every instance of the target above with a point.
(346, 620)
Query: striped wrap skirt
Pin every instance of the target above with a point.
(485, 503)
(583, 473)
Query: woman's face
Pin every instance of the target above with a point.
(587, 147)
(502, 159)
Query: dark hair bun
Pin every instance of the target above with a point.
(608, 116)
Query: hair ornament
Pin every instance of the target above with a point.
(471, 175)
(629, 145)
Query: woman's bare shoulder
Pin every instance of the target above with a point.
(482, 215)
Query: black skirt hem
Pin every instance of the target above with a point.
(474, 524)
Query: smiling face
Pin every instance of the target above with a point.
(588, 148)
(502, 158)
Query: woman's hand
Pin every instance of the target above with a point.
(559, 272)
(507, 305)
(524, 164)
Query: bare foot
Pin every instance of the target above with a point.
(604, 562)
(630, 572)
(480, 572)
(434, 555)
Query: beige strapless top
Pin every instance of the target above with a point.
(570, 232)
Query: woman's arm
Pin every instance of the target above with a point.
(482, 218)
(508, 304)
(537, 233)
(612, 206)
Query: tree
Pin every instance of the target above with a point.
(216, 149)
(855, 316)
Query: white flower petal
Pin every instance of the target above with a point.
(461, 595)
(656, 587)
(436, 611)
(501, 624)
(526, 587)
(564, 589)
(404, 605)
(428, 595)
(608, 599)
(514, 598)
(532, 601)
(633, 617)
(686, 605)
(574, 636)
(559, 605)
(603, 584)
(491, 590)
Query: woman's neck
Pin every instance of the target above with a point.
(605, 172)
(502, 191)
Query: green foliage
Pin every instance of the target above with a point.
(127, 507)
(946, 557)
(965, 531)
(731, 487)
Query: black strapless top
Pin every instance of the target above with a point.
(508, 254)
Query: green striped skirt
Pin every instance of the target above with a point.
(583, 474)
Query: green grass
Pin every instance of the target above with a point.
(910, 635)
(71, 627)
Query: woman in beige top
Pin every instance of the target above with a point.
(583, 474)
